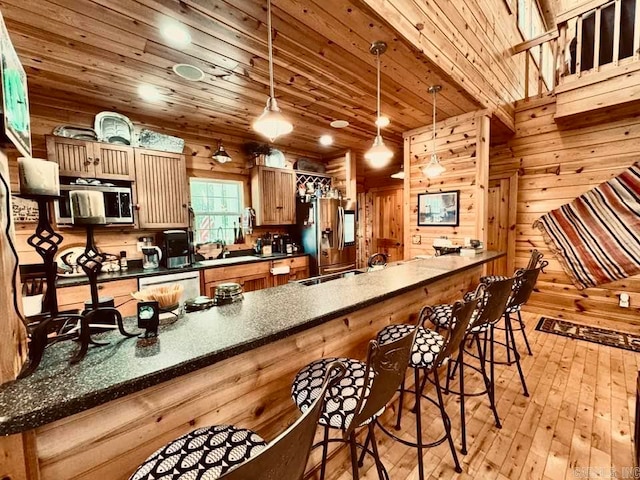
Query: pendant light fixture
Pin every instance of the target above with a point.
(434, 168)
(379, 155)
(221, 155)
(272, 124)
(399, 174)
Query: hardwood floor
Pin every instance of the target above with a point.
(577, 423)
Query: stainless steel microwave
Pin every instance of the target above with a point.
(118, 203)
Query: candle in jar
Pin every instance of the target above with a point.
(38, 177)
(87, 207)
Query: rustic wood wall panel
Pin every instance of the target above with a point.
(556, 165)
(462, 147)
(250, 390)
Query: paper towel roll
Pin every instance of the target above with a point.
(284, 270)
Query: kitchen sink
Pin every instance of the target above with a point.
(224, 261)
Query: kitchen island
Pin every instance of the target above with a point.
(231, 364)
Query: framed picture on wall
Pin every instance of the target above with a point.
(440, 209)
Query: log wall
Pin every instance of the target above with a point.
(462, 147)
(555, 165)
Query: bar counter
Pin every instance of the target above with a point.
(230, 364)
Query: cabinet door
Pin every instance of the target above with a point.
(75, 157)
(161, 183)
(287, 200)
(266, 197)
(113, 162)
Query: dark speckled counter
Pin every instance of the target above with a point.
(125, 366)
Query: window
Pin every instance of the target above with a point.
(217, 205)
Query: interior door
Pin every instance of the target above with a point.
(502, 198)
(388, 223)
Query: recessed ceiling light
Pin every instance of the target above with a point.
(326, 140)
(382, 121)
(188, 72)
(339, 124)
(176, 34)
(149, 93)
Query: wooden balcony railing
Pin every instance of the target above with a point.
(597, 36)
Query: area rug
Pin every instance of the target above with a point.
(596, 237)
(603, 336)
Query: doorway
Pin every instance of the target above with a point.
(501, 224)
(387, 225)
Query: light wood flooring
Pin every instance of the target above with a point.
(579, 415)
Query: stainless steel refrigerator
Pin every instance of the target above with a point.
(327, 230)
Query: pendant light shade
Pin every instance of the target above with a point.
(399, 174)
(434, 168)
(379, 155)
(221, 155)
(272, 123)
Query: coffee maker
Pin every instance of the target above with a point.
(176, 248)
(151, 254)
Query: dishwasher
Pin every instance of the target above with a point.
(189, 280)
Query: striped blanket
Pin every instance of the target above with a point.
(596, 237)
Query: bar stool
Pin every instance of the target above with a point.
(231, 453)
(490, 310)
(359, 398)
(430, 351)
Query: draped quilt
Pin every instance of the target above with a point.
(596, 237)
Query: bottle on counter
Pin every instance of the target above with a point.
(124, 265)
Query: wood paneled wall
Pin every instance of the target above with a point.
(555, 166)
(462, 145)
(200, 145)
(469, 40)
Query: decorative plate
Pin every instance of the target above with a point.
(77, 133)
(115, 128)
(275, 159)
(160, 141)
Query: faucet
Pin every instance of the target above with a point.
(221, 243)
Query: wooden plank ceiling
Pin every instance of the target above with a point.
(99, 52)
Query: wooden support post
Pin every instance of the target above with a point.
(526, 74)
(13, 337)
(482, 177)
(407, 198)
(540, 68)
(351, 173)
(554, 66)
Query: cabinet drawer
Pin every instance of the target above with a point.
(120, 290)
(222, 273)
(297, 262)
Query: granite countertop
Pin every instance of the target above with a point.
(58, 389)
(139, 272)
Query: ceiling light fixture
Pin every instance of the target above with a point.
(399, 174)
(379, 154)
(272, 124)
(149, 93)
(434, 168)
(221, 155)
(176, 34)
(326, 140)
(339, 124)
(382, 122)
(188, 72)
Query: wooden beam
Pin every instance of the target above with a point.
(13, 339)
(534, 42)
(482, 177)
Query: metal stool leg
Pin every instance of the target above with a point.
(376, 455)
(446, 421)
(419, 425)
(354, 456)
(524, 334)
(400, 405)
(487, 381)
(516, 355)
(463, 422)
(325, 448)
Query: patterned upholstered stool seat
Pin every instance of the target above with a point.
(341, 400)
(426, 346)
(203, 454)
(441, 314)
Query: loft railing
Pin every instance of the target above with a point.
(599, 35)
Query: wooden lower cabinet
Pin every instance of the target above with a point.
(255, 276)
(73, 298)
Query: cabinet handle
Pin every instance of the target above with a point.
(88, 161)
(100, 287)
(96, 161)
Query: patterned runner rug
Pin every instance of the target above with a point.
(603, 336)
(596, 237)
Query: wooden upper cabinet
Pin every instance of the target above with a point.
(273, 195)
(74, 157)
(163, 194)
(80, 158)
(114, 162)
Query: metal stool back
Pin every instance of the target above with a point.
(286, 457)
(494, 298)
(525, 283)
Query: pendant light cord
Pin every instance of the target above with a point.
(378, 92)
(434, 121)
(271, 89)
